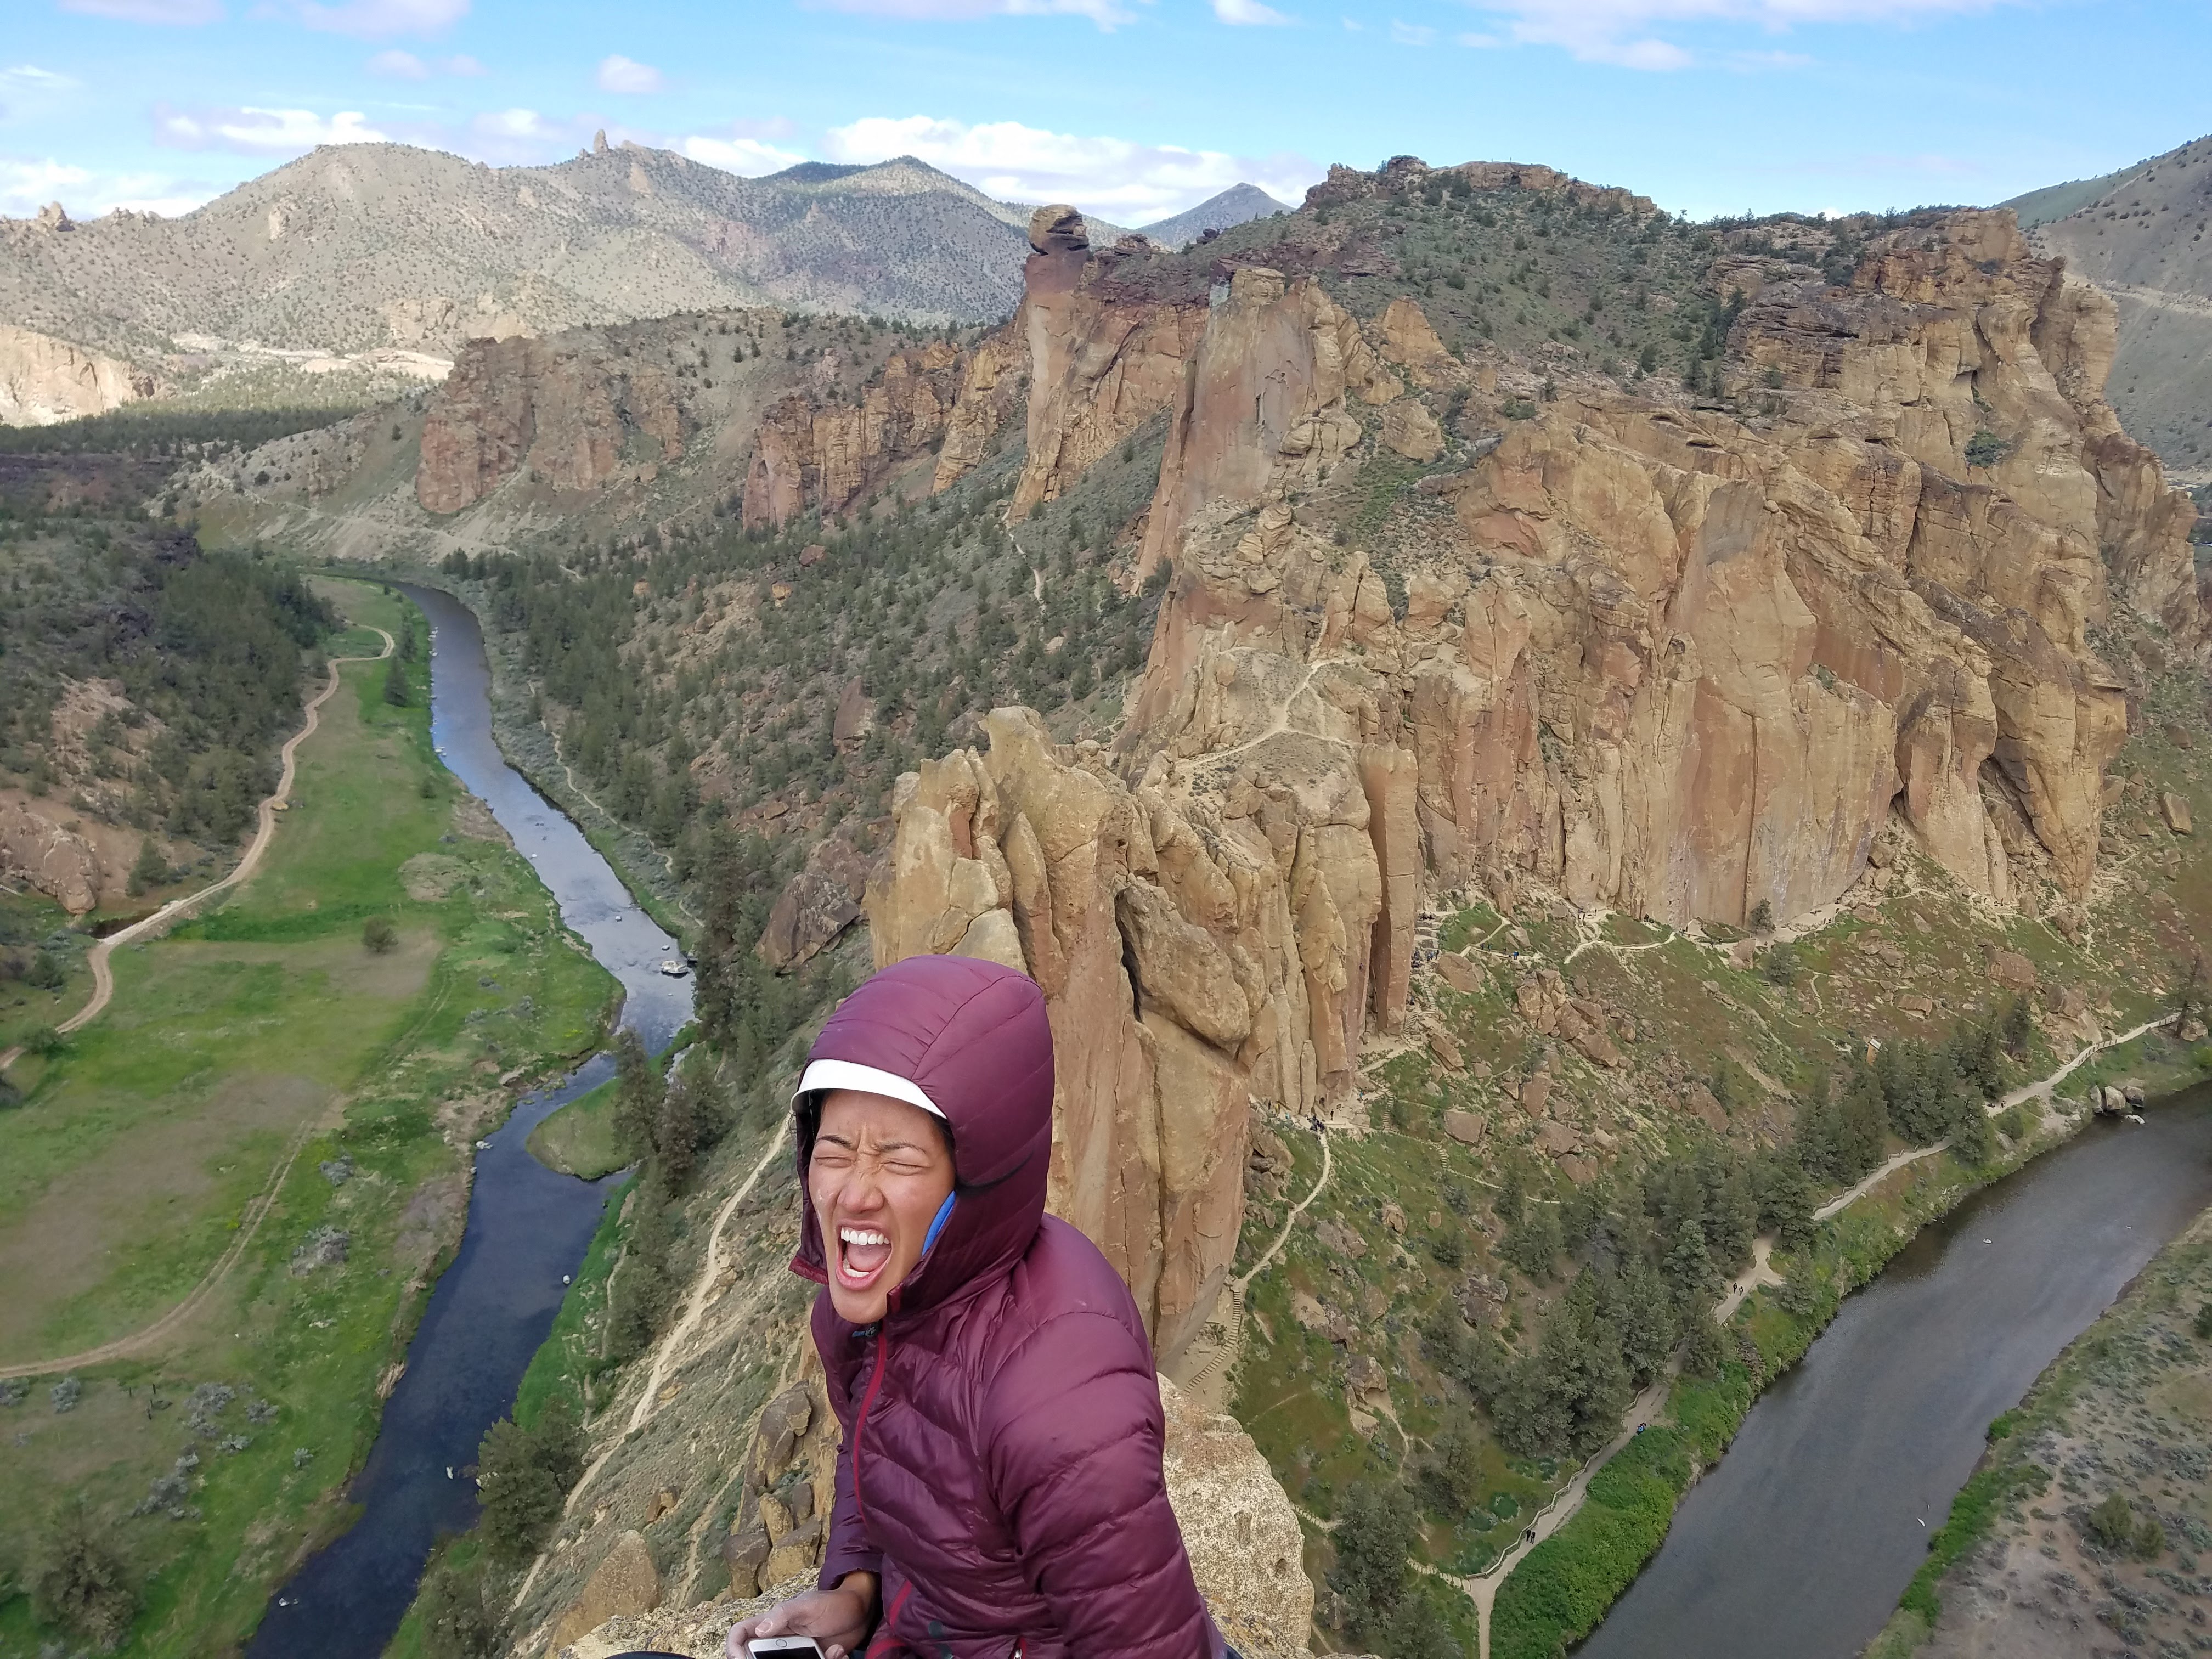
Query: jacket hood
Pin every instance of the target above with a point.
(972, 1036)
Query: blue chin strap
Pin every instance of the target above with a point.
(937, 1223)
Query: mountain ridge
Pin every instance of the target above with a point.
(2138, 234)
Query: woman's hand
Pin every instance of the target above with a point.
(839, 1619)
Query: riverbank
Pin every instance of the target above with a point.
(531, 748)
(1568, 1584)
(269, 1035)
(2031, 1553)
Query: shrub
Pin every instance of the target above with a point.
(1374, 1534)
(523, 1474)
(79, 1582)
(379, 934)
(1761, 919)
(395, 686)
(2203, 1325)
(1985, 448)
(45, 1042)
(464, 1616)
(2113, 1525)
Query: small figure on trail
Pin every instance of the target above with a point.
(999, 1487)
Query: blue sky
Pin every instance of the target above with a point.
(1133, 109)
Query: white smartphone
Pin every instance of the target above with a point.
(784, 1647)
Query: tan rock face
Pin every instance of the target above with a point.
(1743, 645)
(626, 1583)
(1101, 361)
(565, 409)
(1247, 921)
(44, 379)
(816, 455)
(58, 862)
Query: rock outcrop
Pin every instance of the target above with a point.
(1102, 360)
(43, 379)
(571, 411)
(56, 860)
(817, 454)
(1678, 663)
(1242, 1533)
(1675, 660)
(1205, 940)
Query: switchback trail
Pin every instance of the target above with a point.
(103, 989)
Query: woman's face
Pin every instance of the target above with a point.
(879, 1172)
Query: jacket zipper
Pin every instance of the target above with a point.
(860, 1420)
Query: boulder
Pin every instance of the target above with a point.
(1457, 971)
(1466, 1127)
(2012, 970)
(2176, 812)
(816, 905)
(1535, 1090)
(1363, 1378)
(1445, 1047)
(625, 1582)
(1409, 429)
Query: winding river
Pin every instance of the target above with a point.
(527, 1227)
(1802, 1540)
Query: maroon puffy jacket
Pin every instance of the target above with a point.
(1000, 1468)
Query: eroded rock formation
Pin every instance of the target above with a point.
(44, 379)
(813, 453)
(572, 409)
(1674, 659)
(1102, 360)
(1237, 1524)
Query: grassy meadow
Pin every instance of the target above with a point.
(268, 1036)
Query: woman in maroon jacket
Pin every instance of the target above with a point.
(998, 1488)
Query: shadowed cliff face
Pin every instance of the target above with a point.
(1437, 621)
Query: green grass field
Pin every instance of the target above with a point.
(265, 1026)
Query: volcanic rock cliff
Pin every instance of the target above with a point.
(1676, 657)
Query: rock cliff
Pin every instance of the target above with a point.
(44, 379)
(1672, 656)
(572, 410)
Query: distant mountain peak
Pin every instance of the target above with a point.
(1234, 206)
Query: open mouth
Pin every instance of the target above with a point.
(863, 1253)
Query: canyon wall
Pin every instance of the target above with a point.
(572, 409)
(43, 379)
(1681, 659)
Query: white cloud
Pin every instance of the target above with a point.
(1123, 180)
(1412, 34)
(29, 77)
(1107, 14)
(26, 186)
(516, 124)
(1615, 31)
(259, 131)
(1247, 13)
(621, 73)
(461, 64)
(150, 11)
(404, 65)
(375, 20)
(748, 156)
